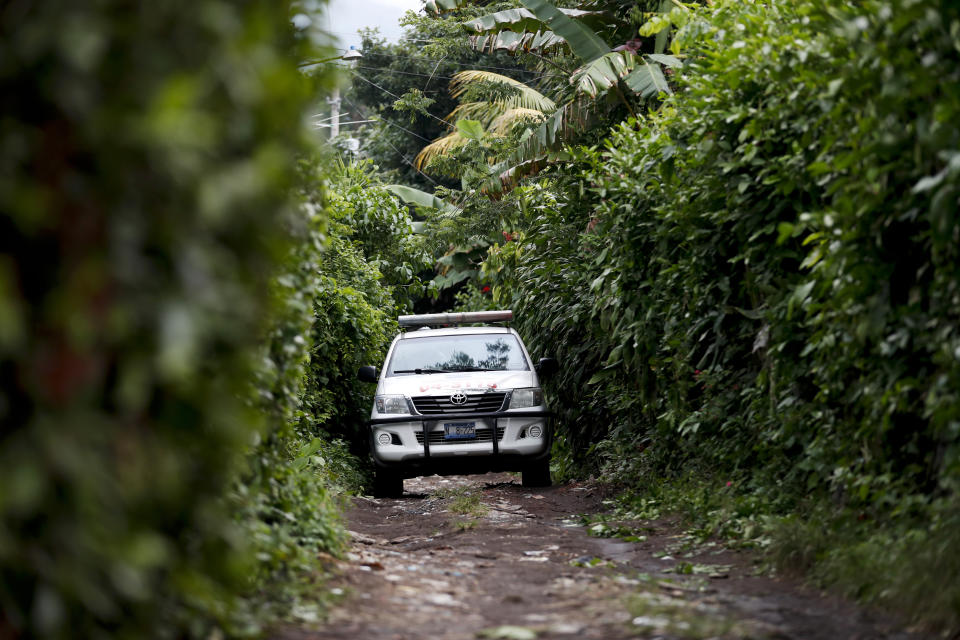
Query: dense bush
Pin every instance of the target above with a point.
(147, 162)
(764, 283)
(334, 311)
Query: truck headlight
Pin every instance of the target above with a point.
(391, 404)
(523, 398)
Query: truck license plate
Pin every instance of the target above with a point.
(459, 430)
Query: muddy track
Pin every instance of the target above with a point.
(482, 557)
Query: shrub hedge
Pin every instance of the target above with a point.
(760, 280)
(155, 321)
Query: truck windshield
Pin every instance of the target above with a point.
(470, 352)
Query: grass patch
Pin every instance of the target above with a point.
(464, 525)
(903, 559)
(463, 501)
(468, 505)
(911, 566)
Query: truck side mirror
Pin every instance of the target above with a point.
(547, 367)
(367, 374)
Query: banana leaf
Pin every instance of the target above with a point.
(519, 20)
(541, 42)
(647, 80)
(584, 43)
(606, 71)
(421, 198)
(438, 7)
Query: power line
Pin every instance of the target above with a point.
(404, 73)
(463, 64)
(386, 121)
(404, 158)
(390, 144)
(393, 124)
(390, 93)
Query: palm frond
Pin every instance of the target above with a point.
(504, 123)
(526, 97)
(485, 112)
(439, 147)
(536, 147)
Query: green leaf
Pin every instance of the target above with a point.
(421, 198)
(517, 20)
(647, 80)
(584, 43)
(666, 60)
(602, 375)
(541, 42)
(438, 7)
(471, 129)
(524, 21)
(604, 72)
(785, 231)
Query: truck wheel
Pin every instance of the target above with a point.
(387, 484)
(537, 474)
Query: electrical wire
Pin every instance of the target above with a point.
(394, 124)
(380, 118)
(468, 64)
(413, 166)
(390, 93)
(404, 73)
(390, 144)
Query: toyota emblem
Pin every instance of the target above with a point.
(458, 398)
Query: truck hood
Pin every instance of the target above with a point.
(436, 384)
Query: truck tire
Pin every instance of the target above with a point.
(537, 474)
(387, 484)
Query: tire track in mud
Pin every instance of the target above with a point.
(463, 557)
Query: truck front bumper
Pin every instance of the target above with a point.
(505, 440)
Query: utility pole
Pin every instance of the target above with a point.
(334, 113)
(351, 56)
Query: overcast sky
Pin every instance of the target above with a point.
(346, 16)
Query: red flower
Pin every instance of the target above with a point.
(485, 290)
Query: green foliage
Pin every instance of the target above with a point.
(147, 162)
(287, 501)
(415, 102)
(368, 273)
(355, 321)
(759, 279)
(381, 228)
(421, 198)
(415, 78)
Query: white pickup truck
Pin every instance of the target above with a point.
(458, 400)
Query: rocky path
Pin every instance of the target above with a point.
(482, 557)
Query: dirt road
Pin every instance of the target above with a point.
(482, 557)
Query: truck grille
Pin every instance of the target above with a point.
(483, 435)
(476, 403)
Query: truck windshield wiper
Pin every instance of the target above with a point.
(474, 369)
(419, 371)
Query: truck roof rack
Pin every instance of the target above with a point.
(443, 319)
